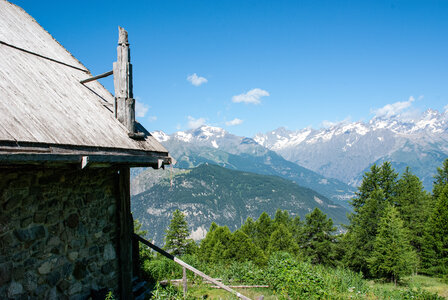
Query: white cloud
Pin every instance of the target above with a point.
(328, 124)
(152, 118)
(194, 123)
(390, 110)
(140, 109)
(196, 80)
(253, 96)
(234, 122)
(446, 108)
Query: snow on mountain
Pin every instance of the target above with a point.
(215, 145)
(345, 150)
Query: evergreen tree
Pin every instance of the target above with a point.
(384, 178)
(378, 189)
(249, 228)
(392, 256)
(370, 182)
(281, 240)
(362, 231)
(435, 250)
(176, 236)
(388, 181)
(318, 237)
(296, 229)
(282, 217)
(243, 249)
(263, 231)
(412, 203)
(215, 246)
(440, 179)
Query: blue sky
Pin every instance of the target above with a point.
(259, 65)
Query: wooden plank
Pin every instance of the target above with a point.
(125, 229)
(241, 286)
(188, 267)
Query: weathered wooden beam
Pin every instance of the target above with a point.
(84, 160)
(187, 266)
(125, 230)
(97, 77)
(31, 147)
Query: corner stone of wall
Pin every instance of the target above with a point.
(58, 236)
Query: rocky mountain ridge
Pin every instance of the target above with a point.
(208, 144)
(346, 150)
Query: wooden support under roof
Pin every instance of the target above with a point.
(97, 77)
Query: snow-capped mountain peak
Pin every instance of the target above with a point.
(160, 136)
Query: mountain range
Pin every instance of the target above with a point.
(208, 144)
(346, 150)
(210, 193)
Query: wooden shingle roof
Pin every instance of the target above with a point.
(42, 101)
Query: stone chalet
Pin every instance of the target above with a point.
(66, 148)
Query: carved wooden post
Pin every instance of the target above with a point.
(124, 103)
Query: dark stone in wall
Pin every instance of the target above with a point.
(72, 221)
(5, 273)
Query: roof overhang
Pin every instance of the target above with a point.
(84, 157)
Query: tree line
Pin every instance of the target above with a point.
(396, 229)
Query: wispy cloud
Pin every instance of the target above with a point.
(234, 122)
(194, 123)
(446, 108)
(390, 110)
(140, 109)
(152, 118)
(328, 124)
(196, 80)
(253, 96)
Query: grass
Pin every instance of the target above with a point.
(430, 284)
(377, 290)
(205, 292)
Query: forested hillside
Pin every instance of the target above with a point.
(210, 193)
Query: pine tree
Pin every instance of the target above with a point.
(263, 231)
(282, 217)
(249, 228)
(318, 237)
(176, 236)
(370, 182)
(362, 232)
(243, 249)
(412, 203)
(392, 256)
(378, 189)
(435, 250)
(216, 244)
(383, 177)
(440, 179)
(281, 240)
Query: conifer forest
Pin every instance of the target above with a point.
(394, 247)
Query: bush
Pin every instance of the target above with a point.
(292, 279)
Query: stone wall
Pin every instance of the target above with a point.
(58, 236)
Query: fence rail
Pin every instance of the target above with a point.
(188, 267)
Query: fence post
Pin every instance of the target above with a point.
(184, 280)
